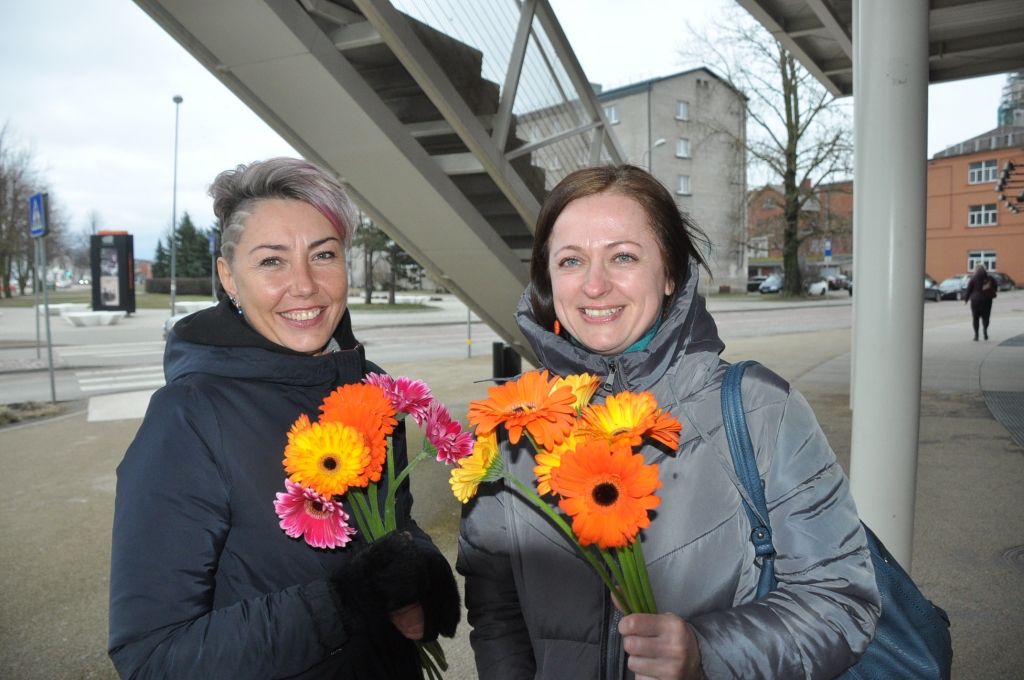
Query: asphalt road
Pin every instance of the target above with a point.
(128, 356)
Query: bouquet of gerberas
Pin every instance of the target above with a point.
(346, 453)
(584, 455)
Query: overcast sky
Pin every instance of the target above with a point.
(88, 86)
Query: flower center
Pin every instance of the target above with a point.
(329, 463)
(605, 494)
(521, 407)
(316, 510)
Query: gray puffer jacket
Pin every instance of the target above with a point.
(536, 608)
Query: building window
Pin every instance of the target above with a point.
(985, 257)
(682, 110)
(684, 185)
(757, 246)
(612, 114)
(982, 171)
(769, 203)
(682, 148)
(556, 163)
(981, 215)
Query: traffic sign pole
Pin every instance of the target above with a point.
(38, 227)
(35, 290)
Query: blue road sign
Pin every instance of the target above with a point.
(828, 247)
(37, 215)
(213, 243)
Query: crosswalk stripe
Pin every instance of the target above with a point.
(122, 385)
(76, 350)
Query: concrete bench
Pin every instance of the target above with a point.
(61, 308)
(93, 318)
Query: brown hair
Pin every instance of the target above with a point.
(675, 233)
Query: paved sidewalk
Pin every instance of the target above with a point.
(57, 501)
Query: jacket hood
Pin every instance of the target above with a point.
(687, 335)
(218, 341)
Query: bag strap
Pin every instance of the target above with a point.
(745, 463)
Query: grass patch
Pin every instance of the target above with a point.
(142, 300)
(384, 307)
(29, 410)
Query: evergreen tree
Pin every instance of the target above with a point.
(161, 261)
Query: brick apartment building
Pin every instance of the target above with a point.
(968, 222)
(829, 212)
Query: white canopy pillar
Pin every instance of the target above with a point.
(890, 185)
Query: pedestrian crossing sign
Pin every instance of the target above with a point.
(37, 215)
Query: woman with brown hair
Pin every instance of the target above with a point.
(614, 281)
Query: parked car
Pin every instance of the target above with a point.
(1003, 281)
(954, 287)
(754, 282)
(818, 287)
(931, 289)
(773, 284)
(838, 282)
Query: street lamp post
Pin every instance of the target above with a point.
(649, 156)
(174, 207)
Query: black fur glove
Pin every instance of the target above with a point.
(395, 572)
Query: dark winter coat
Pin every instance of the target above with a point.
(204, 583)
(974, 291)
(538, 610)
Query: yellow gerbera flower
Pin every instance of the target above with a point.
(298, 426)
(631, 417)
(326, 457)
(483, 465)
(583, 387)
(549, 460)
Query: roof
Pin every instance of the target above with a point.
(967, 38)
(1003, 137)
(644, 85)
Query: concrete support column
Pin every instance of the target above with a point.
(890, 183)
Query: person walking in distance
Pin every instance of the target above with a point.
(981, 290)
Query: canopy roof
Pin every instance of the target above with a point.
(967, 38)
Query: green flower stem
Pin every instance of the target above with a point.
(619, 578)
(629, 581)
(645, 578)
(436, 651)
(427, 663)
(358, 514)
(566, 529)
(389, 500)
(370, 516)
(394, 483)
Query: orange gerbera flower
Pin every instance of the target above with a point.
(631, 417)
(326, 457)
(367, 409)
(532, 403)
(298, 426)
(607, 490)
(548, 460)
(583, 387)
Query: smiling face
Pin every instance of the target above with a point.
(288, 274)
(608, 277)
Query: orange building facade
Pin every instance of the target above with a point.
(968, 222)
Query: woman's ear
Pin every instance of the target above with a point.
(226, 278)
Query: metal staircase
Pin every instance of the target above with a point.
(452, 165)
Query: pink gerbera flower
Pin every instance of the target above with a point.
(446, 435)
(305, 513)
(406, 395)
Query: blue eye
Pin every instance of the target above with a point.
(625, 258)
(569, 262)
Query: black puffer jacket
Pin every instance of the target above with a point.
(204, 583)
(974, 291)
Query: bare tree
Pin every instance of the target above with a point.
(19, 180)
(800, 134)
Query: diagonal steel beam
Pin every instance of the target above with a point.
(515, 69)
(836, 30)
